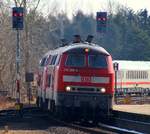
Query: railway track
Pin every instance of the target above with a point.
(119, 123)
(12, 117)
(84, 127)
(131, 121)
(100, 128)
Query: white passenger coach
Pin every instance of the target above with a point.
(133, 77)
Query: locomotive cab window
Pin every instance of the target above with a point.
(75, 60)
(97, 61)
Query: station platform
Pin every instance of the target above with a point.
(140, 109)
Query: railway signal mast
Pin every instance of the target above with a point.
(116, 67)
(17, 24)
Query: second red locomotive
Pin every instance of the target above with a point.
(76, 78)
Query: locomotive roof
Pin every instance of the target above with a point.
(133, 65)
(77, 45)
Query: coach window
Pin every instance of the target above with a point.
(48, 59)
(49, 81)
(138, 74)
(42, 62)
(127, 74)
(75, 60)
(141, 74)
(144, 74)
(134, 74)
(146, 77)
(122, 74)
(130, 74)
(57, 60)
(97, 61)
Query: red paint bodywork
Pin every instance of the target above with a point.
(86, 73)
(58, 71)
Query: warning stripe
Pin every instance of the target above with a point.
(131, 83)
(71, 78)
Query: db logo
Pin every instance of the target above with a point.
(85, 79)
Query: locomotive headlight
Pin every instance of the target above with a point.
(103, 90)
(68, 88)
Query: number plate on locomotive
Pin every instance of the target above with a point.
(85, 79)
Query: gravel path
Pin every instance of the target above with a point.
(34, 125)
(50, 130)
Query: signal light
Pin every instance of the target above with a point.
(17, 17)
(104, 19)
(101, 19)
(14, 14)
(20, 14)
(86, 50)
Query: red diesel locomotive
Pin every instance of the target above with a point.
(76, 78)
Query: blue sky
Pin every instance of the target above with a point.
(91, 6)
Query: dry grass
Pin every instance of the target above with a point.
(5, 103)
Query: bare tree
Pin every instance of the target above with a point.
(39, 35)
(7, 51)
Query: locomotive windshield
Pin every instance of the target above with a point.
(79, 60)
(86, 57)
(75, 60)
(97, 61)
